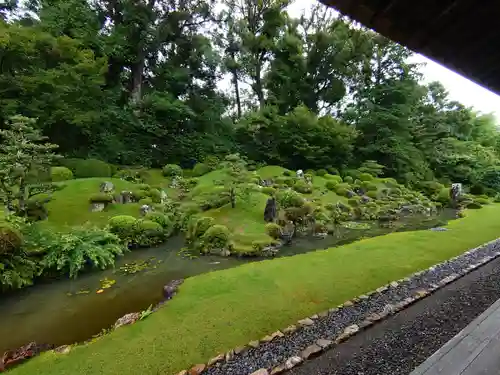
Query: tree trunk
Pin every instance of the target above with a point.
(233, 198)
(136, 83)
(258, 88)
(237, 92)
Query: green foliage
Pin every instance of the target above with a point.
(155, 195)
(11, 240)
(148, 233)
(162, 219)
(288, 173)
(372, 194)
(289, 198)
(147, 201)
(268, 190)
(200, 169)
(217, 237)
(474, 205)
(443, 197)
(122, 225)
(139, 194)
(348, 179)
(60, 174)
(342, 189)
(321, 172)
(73, 251)
(303, 187)
(273, 230)
(84, 168)
(172, 170)
(354, 201)
(482, 201)
(197, 227)
(365, 176)
(335, 178)
(101, 198)
(331, 184)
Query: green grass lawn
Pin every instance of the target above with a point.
(217, 311)
(70, 206)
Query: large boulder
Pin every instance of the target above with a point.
(127, 319)
(270, 211)
(106, 187)
(170, 289)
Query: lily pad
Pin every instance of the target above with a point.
(107, 283)
(356, 225)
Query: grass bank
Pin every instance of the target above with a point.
(220, 310)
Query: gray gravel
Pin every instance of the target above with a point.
(276, 352)
(403, 341)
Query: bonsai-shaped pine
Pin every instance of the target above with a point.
(24, 154)
(235, 178)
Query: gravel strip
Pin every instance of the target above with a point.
(402, 342)
(275, 350)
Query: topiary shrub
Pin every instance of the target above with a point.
(155, 195)
(147, 201)
(372, 194)
(200, 169)
(443, 197)
(197, 227)
(341, 189)
(390, 182)
(369, 186)
(268, 190)
(482, 201)
(302, 187)
(187, 211)
(122, 225)
(365, 177)
(101, 198)
(11, 240)
(335, 178)
(144, 187)
(217, 237)
(321, 172)
(172, 170)
(288, 173)
(353, 202)
(310, 172)
(273, 230)
(348, 179)
(332, 171)
(84, 168)
(139, 194)
(260, 245)
(162, 219)
(289, 198)
(60, 174)
(474, 205)
(331, 185)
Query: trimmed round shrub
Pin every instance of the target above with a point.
(144, 187)
(172, 170)
(217, 237)
(321, 172)
(302, 187)
(148, 227)
(474, 205)
(84, 168)
(197, 227)
(122, 224)
(139, 194)
(348, 179)
(310, 172)
(200, 169)
(332, 177)
(155, 195)
(101, 198)
(11, 240)
(332, 170)
(289, 198)
(60, 174)
(268, 190)
(482, 201)
(147, 201)
(444, 196)
(391, 182)
(342, 188)
(162, 219)
(331, 185)
(372, 194)
(395, 192)
(288, 173)
(365, 177)
(273, 230)
(369, 186)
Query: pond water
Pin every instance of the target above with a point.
(67, 311)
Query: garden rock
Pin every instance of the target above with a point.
(126, 197)
(127, 319)
(439, 229)
(270, 211)
(97, 207)
(118, 199)
(106, 187)
(171, 288)
(145, 209)
(365, 199)
(266, 183)
(197, 369)
(12, 358)
(350, 194)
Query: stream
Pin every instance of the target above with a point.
(68, 311)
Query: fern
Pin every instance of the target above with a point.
(82, 247)
(17, 271)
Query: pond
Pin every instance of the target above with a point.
(68, 311)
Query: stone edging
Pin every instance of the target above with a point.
(425, 283)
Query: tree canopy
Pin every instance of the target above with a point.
(153, 82)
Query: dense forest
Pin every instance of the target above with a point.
(151, 82)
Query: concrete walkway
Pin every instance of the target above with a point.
(474, 351)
